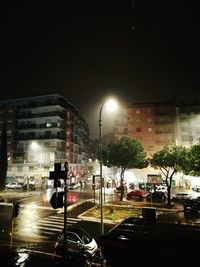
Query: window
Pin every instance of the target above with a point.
(149, 120)
(48, 124)
(187, 138)
(125, 130)
(9, 133)
(20, 169)
(47, 144)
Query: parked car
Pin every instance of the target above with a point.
(73, 185)
(31, 187)
(77, 240)
(161, 188)
(181, 196)
(14, 186)
(192, 205)
(158, 196)
(196, 188)
(137, 193)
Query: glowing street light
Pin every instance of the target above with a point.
(111, 105)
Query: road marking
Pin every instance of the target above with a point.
(69, 218)
(47, 227)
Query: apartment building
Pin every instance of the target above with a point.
(152, 124)
(158, 124)
(41, 131)
(188, 121)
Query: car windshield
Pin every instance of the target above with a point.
(84, 236)
(78, 232)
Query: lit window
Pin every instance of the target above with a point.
(48, 124)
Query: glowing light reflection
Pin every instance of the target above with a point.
(22, 257)
(28, 221)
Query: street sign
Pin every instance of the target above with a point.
(154, 178)
(57, 200)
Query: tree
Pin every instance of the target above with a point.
(193, 161)
(169, 160)
(3, 157)
(124, 153)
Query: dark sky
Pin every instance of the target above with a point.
(140, 51)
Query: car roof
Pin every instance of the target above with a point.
(76, 230)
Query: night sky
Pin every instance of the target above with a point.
(139, 51)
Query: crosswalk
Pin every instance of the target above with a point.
(54, 224)
(47, 228)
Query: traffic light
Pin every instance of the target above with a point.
(15, 209)
(57, 200)
(57, 182)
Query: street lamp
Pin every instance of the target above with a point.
(110, 105)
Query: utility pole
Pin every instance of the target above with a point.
(65, 207)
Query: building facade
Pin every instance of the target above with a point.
(159, 124)
(188, 120)
(155, 125)
(41, 131)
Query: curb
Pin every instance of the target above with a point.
(71, 207)
(159, 209)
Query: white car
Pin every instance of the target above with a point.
(182, 196)
(14, 186)
(77, 239)
(73, 185)
(161, 188)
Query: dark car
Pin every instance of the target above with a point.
(157, 195)
(196, 188)
(192, 205)
(135, 241)
(30, 187)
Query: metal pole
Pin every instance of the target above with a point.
(101, 180)
(65, 208)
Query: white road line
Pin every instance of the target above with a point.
(50, 222)
(48, 228)
(69, 218)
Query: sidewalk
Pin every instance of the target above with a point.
(5, 193)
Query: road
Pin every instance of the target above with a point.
(38, 224)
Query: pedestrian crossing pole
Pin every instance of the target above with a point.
(65, 207)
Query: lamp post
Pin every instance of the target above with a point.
(111, 105)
